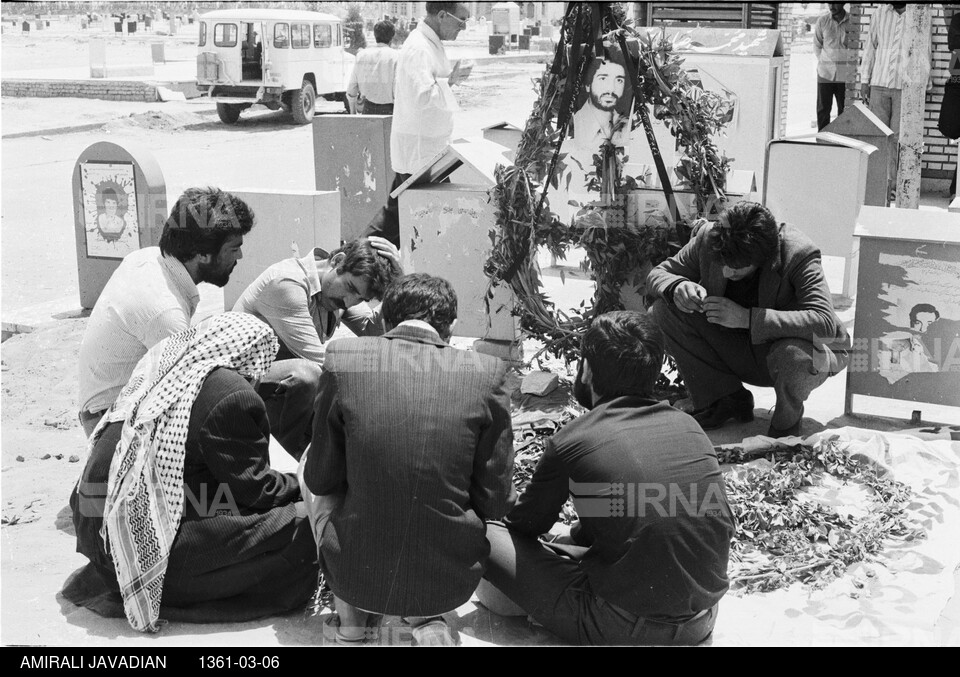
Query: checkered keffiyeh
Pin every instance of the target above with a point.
(144, 501)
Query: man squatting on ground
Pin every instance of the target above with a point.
(304, 301)
(745, 301)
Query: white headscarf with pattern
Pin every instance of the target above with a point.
(145, 492)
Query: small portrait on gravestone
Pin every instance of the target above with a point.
(110, 209)
(921, 310)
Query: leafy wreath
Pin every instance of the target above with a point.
(610, 231)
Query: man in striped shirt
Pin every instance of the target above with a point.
(883, 69)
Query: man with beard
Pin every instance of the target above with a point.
(304, 300)
(153, 293)
(598, 119)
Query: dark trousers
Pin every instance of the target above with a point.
(386, 223)
(715, 361)
(289, 391)
(371, 108)
(551, 587)
(826, 92)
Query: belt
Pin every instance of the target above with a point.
(640, 621)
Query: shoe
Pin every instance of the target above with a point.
(739, 405)
(792, 431)
(435, 632)
(371, 634)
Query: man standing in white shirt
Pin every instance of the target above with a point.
(370, 91)
(423, 103)
(882, 72)
(836, 60)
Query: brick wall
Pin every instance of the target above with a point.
(939, 157)
(115, 90)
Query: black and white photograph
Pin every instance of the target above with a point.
(476, 324)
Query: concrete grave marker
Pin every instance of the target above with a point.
(824, 200)
(858, 122)
(445, 231)
(352, 155)
(907, 322)
(119, 205)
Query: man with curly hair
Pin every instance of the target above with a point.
(746, 301)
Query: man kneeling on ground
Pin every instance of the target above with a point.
(412, 450)
(746, 301)
(648, 562)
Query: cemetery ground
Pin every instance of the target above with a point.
(43, 448)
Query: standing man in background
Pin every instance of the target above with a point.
(882, 73)
(370, 91)
(833, 38)
(423, 103)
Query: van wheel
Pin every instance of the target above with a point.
(229, 112)
(303, 104)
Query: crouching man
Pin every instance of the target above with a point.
(412, 450)
(647, 563)
(745, 301)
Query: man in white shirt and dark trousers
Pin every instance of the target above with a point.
(423, 103)
(836, 60)
(370, 91)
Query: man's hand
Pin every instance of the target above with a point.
(865, 92)
(386, 249)
(688, 296)
(461, 71)
(721, 310)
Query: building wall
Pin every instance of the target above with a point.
(940, 157)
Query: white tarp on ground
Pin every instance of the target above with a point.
(895, 598)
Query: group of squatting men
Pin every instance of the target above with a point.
(404, 496)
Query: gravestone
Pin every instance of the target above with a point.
(824, 197)
(25, 27)
(119, 206)
(907, 322)
(444, 231)
(352, 155)
(98, 58)
(157, 52)
(858, 122)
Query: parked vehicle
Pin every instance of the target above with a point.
(273, 57)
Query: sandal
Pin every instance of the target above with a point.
(371, 634)
(434, 632)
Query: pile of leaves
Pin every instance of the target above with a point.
(784, 536)
(528, 446)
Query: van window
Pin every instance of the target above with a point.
(225, 35)
(322, 35)
(281, 36)
(339, 40)
(300, 36)
(203, 34)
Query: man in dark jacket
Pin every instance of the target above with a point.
(412, 450)
(746, 301)
(648, 561)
